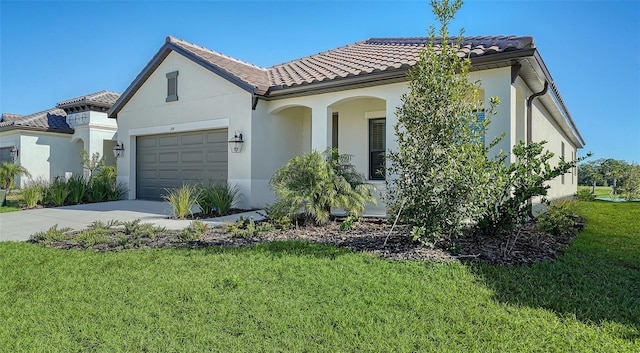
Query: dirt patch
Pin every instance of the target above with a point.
(370, 236)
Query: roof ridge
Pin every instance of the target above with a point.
(172, 39)
(315, 54)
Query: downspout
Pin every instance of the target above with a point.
(529, 110)
(529, 125)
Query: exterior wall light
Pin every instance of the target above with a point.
(118, 150)
(236, 142)
(14, 153)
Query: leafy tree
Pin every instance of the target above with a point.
(8, 173)
(441, 163)
(629, 182)
(314, 183)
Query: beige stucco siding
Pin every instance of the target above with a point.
(48, 155)
(205, 101)
(546, 129)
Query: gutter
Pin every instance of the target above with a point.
(529, 109)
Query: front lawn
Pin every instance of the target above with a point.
(295, 296)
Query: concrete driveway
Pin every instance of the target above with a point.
(19, 226)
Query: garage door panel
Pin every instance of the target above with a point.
(192, 139)
(192, 156)
(171, 160)
(168, 141)
(168, 157)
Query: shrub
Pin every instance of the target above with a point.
(78, 187)
(182, 200)
(585, 195)
(58, 191)
(314, 183)
(51, 235)
(516, 184)
(349, 223)
(195, 231)
(245, 227)
(33, 194)
(217, 198)
(559, 218)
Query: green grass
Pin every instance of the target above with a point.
(601, 191)
(13, 203)
(302, 297)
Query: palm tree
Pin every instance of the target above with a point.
(9, 172)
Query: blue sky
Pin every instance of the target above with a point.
(54, 50)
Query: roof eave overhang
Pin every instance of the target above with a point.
(553, 100)
(387, 76)
(153, 64)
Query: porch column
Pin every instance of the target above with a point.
(321, 128)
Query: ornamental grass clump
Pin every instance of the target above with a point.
(217, 198)
(182, 200)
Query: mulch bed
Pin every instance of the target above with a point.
(373, 236)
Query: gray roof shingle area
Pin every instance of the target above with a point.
(53, 119)
(102, 98)
(360, 58)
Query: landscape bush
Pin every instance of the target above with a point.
(33, 194)
(245, 227)
(585, 195)
(217, 198)
(310, 185)
(559, 217)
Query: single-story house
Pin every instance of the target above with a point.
(180, 117)
(48, 143)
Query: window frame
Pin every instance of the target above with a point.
(373, 175)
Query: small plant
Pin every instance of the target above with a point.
(245, 227)
(195, 231)
(77, 187)
(101, 225)
(51, 235)
(279, 217)
(559, 219)
(182, 200)
(32, 195)
(349, 223)
(8, 173)
(58, 191)
(585, 195)
(217, 198)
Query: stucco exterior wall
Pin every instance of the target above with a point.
(544, 128)
(47, 155)
(205, 101)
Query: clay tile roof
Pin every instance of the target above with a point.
(51, 119)
(103, 99)
(10, 117)
(248, 73)
(380, 54)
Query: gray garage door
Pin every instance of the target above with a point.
(169, 161)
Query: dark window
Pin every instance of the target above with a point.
(172, 86)
(5, 155)
(377, 147)
(334, 130)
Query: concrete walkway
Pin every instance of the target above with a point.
(19, 226)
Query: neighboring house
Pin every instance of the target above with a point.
(48, 143)
(177, 117)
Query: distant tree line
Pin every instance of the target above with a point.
(622, 177)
